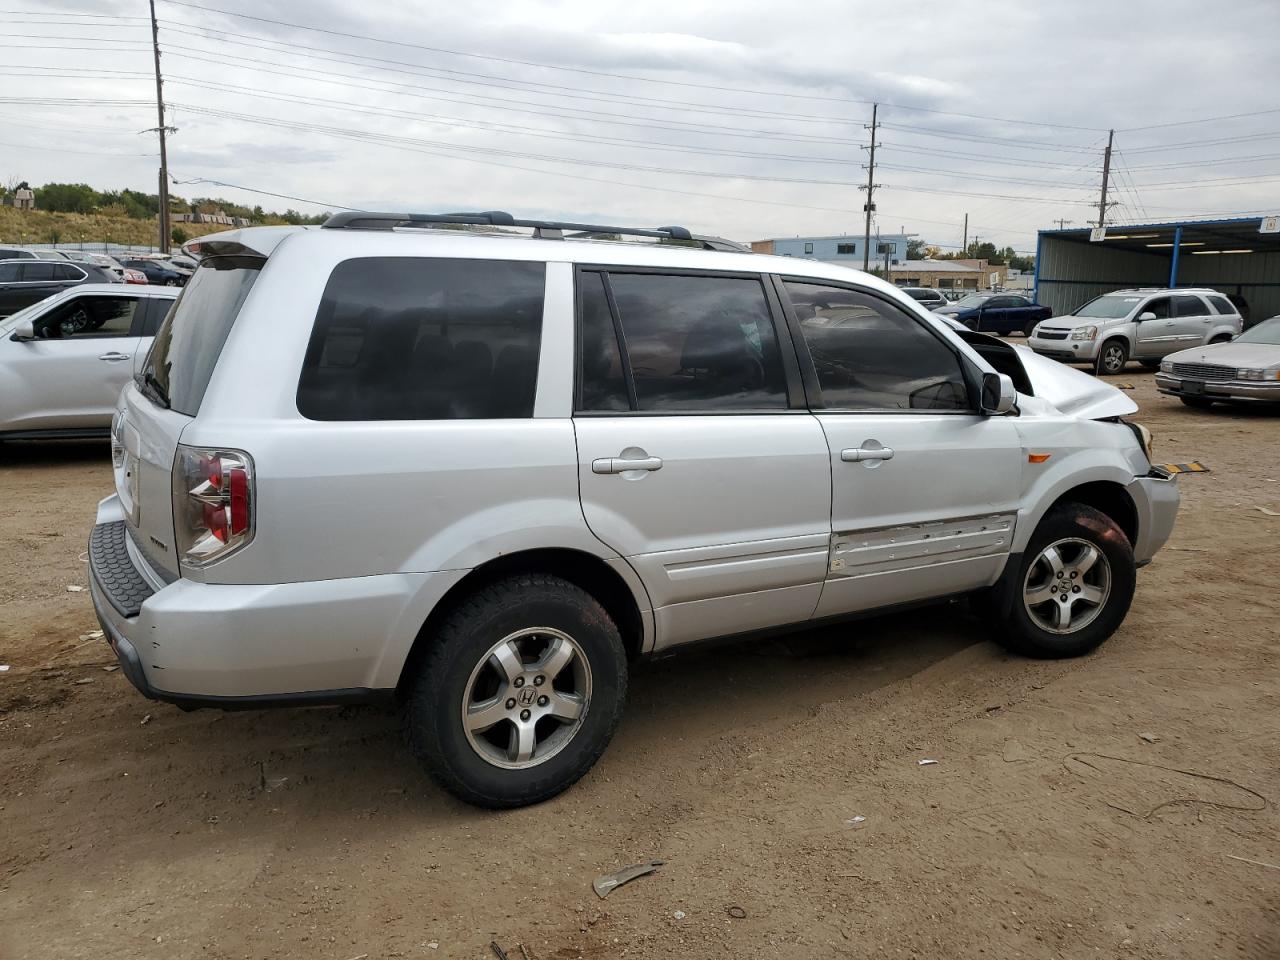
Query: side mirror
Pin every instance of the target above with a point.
(998, 394)
(24, 331)
(1146, 315)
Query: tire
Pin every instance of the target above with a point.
(1150, 364)
(1197, 403)
(1030, 328)
(1112, 357)
(1074, 530)
(1223, 338)
(528, 614)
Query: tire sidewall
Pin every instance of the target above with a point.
(1102, 353)
(1083, 523)
(436, 706)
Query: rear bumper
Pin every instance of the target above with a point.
(259, 645)
(1156, 499)
(1220, 389)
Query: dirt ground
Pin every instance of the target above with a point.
(1120, 805)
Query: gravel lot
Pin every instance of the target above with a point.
(1121, 805)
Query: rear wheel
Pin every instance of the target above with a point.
(520, 692)
(1029, 328)
(1221, 338)
(1112, 357)
(1072, 588)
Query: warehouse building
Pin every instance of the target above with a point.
(844, 248)
(1239, 257)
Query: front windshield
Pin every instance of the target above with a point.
(974, 300)
(1267, 332)
(1108, 307)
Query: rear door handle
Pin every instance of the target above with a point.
(113, 356)
(619, 465)
(859, 454)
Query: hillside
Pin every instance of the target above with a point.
(42, 226)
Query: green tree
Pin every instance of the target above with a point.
(915, 249)
(179, 236)
(67, 198)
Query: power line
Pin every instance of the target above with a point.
(1183, 123)
(265, 193)
(86, 153)
(632, 120)
(603, 73)
(495, 126)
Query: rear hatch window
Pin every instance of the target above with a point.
(188, 343)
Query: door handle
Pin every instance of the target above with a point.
(113, 356)
(859, 454)
(620, 465)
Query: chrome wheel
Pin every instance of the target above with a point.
(1067, 586)
(1113, 358)
(526, 698)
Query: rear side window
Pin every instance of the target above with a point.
(1221, 304)
(1188, 305)
(190, 340)
(65, 271)
(691, 344)
(418, 338)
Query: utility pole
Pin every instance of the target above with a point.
(1062, 223)
(1106, 175)
(869, 206)
(964, 244)
(162, 130)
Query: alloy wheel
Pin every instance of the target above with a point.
(1067, 586)
(526, 698)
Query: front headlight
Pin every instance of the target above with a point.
(1084, 333)
(1144, 438)
(1253, 373)
(1166, 366)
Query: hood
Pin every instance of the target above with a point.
(1230, 354)
(1073, 391)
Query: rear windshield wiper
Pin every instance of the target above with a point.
(157, 388)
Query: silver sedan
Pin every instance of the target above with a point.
(1245, 369)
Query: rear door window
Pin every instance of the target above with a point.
(190, 340)
(1189, 305)
(39, 271)
(418, 338)
(694, 343)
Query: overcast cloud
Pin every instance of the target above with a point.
(426, 130)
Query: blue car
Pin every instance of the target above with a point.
(157, 272)
(996, 313)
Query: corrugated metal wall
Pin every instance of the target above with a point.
(1071, 273)
(1255, 276)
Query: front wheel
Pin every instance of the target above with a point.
(1072, 588)
(519, 693)
(1112, 357)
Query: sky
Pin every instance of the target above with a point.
(742, 119)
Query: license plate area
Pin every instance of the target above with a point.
(1193, 387)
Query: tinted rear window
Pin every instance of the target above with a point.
(1222, 304)
(418, 338)
(188, 343)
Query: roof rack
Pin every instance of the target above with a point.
(543, 229)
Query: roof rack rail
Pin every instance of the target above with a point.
(543, 229)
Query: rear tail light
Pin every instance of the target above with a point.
(212, 503)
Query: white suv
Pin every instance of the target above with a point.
(484, 471)
(1145, 325)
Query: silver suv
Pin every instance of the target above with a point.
(1144, 324)
(482, 472)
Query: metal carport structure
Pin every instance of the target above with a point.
(1231, 256)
